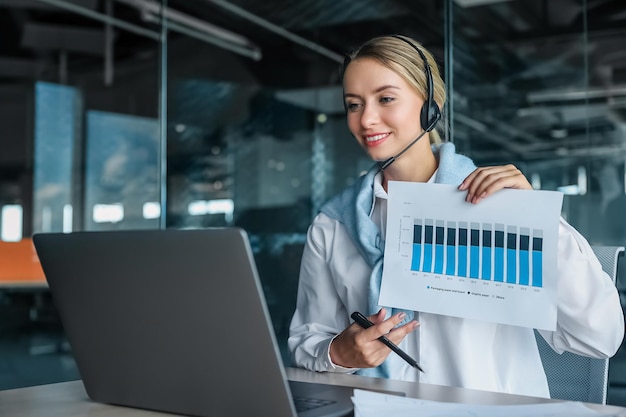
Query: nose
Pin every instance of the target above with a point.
(369, 116)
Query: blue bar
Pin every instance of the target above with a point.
(462, 272)
(523, 267)
(486, 272)
(523, 260)
(474, 253)
(428, 249)
(415, 260)
(499, 265)
(537, 261)
(439, 250)
(462, 261)
(450, 253)
(428, 258)
(499, 257)
(511, 255)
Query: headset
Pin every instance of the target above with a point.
(431, 113)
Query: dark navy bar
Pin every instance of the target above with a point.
(451, 237)
(428, 234)
(475, 237)
(417, 233)
(439, 234)
(523, 242)
(499, 239)
(511, 241)
(462, 237)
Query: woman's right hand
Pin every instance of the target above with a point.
(357, 347)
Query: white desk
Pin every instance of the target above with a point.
(69, 398)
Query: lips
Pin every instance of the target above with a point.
(373, 140)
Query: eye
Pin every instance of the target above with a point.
(352, 107)
(386, 100)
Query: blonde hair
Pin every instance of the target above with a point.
(404, 60)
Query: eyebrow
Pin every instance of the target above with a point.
(378, 90)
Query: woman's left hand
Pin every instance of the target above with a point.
(485, 181)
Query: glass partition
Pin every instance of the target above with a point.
(79, 90)
(256, 129)
(540, 85)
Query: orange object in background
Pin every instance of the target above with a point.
(19, 264)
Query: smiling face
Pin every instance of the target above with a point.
(382, 109)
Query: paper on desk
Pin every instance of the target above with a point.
(374, 404)
(492, 261)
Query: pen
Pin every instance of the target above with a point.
(362, 321)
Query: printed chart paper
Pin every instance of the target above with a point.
(375, 404)
(493, 261)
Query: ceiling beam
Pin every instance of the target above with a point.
(63, 38)
(36, 4)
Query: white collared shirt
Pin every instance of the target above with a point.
(453, 351)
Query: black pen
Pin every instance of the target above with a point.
(363, 321)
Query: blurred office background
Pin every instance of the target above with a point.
(131, 114)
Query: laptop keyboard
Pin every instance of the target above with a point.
(309, 403)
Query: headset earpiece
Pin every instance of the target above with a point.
(429, 116)
(431, 113)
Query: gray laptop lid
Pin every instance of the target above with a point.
(168, 320)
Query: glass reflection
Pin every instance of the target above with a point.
(58, 116)
(121, 170)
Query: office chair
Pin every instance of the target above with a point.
(574, 377)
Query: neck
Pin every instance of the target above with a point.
(411, 169)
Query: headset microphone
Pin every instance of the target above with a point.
(430, 113)
(393, 158)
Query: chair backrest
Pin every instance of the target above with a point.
(574, 377)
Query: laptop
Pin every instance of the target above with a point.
(174, 321)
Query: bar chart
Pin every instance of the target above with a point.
(493, 261)
(485, 251)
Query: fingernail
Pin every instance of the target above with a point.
(468, 197)
(401, 316)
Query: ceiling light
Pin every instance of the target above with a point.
(190, 26)
(474, 3)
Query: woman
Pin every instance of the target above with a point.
(386, 86)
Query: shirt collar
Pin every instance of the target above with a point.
(379, 191)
